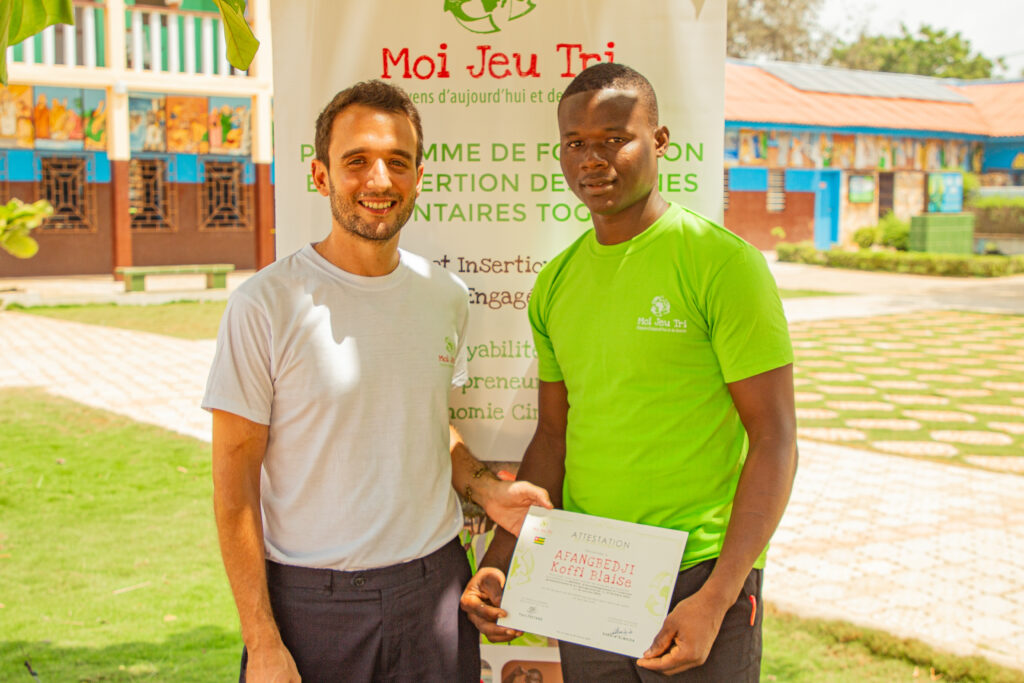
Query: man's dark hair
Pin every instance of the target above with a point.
(619, 77)
(375, 94)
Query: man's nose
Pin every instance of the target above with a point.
(378, 175)
(592, 156)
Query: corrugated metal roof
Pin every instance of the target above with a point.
(816, 78)
(753, 94)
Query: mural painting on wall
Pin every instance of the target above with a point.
(94, 104)
(58, 118)
(16, 125)
(844, 150)
(229, 125)
(186, 125)
(147, 130)
(753, 147)
(732, 147)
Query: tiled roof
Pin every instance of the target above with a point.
(755, 95)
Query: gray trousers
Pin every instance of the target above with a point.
(735, 657)
(398, 623)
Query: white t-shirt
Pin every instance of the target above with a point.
(353, 375)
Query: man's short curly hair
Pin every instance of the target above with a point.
(375, 94)
(617, 76)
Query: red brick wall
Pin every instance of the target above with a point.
(748, 217)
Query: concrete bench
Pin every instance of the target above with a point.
(135, 276)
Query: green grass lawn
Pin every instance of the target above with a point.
(109, 568)
(944, 385)
(189, 319)
(185, 319)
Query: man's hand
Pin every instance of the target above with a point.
(686, 637)
(507, 502)
(271, 665)
(482, 602)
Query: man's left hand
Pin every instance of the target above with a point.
(508, 502)
(686, 637)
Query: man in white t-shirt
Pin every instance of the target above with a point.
(335, 470)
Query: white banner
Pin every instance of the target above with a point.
(486, 76)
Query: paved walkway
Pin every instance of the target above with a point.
(919, 549)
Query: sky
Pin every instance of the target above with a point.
(994, 27)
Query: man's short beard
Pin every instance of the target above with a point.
(354, 224)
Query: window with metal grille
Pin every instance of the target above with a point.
(152, 205)
(776, 195)
(64, 185)
(725, 191)
(226, 203)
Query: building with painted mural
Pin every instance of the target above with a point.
(820, 152)
(152, 149)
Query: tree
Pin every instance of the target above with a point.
(775, 29)
(928, 52)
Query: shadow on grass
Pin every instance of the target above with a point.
(202, 654)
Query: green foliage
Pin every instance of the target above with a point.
(17, 220)
(868, 236)
(916, 263)
(778, 232)
(774, 29)
(894, 232)
(998, 215)
(20, 19)
(926, 52)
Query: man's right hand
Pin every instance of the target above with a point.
(482, 602)
(271, 665)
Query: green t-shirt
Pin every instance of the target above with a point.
(646, 334)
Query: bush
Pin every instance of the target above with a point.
(895, 233)
(866, 237)
(917, 263)
(998, 215)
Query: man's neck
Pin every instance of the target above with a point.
(630, 222)
(358, 255)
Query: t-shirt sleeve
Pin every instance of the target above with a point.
(747, 324)
(547, 365)
(461, 372)
(240, 380)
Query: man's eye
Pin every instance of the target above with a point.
(573, 144)
(355, 162)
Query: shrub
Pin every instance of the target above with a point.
(866, 237)
(895, 233)
(917, 263)
(998, 215)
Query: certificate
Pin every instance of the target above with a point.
(589, 580)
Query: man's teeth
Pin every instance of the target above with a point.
(376, 205)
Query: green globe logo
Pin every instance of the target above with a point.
(449, 345)
(660, 306)
(487, 16)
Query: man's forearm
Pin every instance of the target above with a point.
(238, 450)
(761, 496)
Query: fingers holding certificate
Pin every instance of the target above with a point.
(482, 602)
(589, 580)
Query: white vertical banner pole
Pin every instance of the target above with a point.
(494, 206)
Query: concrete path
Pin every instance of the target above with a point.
(918, 549)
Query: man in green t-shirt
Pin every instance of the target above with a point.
(666, 392)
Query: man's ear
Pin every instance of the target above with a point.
(661, 138)
(320, 179)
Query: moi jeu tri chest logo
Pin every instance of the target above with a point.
(487, 16)
(448, 357)
(659, 321)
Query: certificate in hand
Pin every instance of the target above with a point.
(590, 580)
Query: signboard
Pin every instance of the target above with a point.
(862, 189)
(487, 78)
(945, 192)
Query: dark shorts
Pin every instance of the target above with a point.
(735, 657)
(399, 623)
